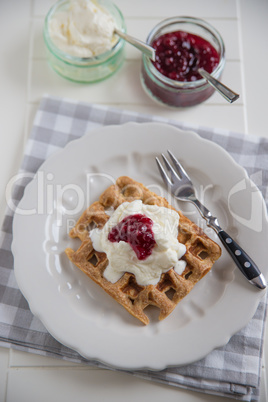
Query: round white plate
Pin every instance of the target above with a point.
(75, 310)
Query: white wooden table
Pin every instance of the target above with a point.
(25, 77)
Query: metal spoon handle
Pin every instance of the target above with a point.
(146, 49)
(226, 92)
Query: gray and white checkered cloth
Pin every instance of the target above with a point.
(233, 370)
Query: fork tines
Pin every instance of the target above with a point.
(174, 174)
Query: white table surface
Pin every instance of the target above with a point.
(25, 77)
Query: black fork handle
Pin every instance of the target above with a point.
(242, 260)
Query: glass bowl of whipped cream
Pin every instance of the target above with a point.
(80, 40)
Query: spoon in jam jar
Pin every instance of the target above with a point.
(226, 92)
(146, 49)
(183, 56)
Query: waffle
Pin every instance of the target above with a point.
(201, 253)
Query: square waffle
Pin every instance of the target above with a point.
(201, 253)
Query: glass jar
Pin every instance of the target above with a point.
(88, 69)
(178, 93)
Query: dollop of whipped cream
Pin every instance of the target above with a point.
(85, 29)
(165, 255)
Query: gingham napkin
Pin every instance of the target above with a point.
(233, 370)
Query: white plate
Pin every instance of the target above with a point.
(80, 314)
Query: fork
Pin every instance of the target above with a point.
(181, 186)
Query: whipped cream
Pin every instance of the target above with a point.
(85, 29)
(165, 255)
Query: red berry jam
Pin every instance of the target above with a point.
(180, 54)
(137, 231)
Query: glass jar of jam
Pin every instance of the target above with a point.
(183, 45)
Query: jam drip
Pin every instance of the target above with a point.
(180, 54)
(137, 231)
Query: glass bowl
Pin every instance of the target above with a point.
(88, 69)
(178, 93)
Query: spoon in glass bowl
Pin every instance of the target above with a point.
(226, 92)
(142, 46)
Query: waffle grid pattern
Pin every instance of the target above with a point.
(201, 253)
